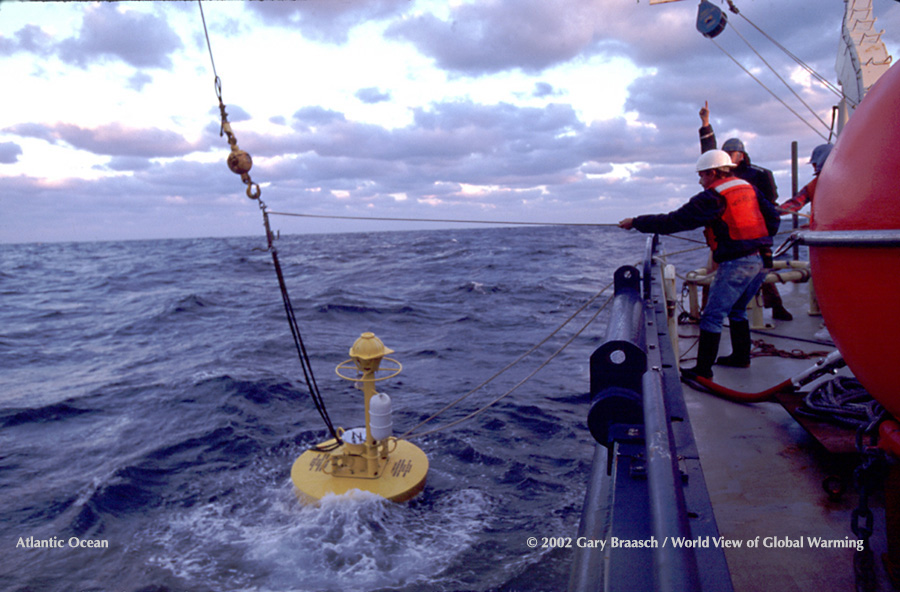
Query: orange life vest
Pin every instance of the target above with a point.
(741, 216)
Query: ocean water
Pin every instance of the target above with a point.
(152, 403)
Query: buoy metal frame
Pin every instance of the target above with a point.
(392, 468)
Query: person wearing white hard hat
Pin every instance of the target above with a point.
(764, 181)
(737, 222)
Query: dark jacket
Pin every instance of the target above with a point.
(705, 210)
(759, 177)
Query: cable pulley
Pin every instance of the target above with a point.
(710, 19)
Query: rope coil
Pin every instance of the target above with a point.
(843, 400)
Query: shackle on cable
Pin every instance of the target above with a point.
(239, 161)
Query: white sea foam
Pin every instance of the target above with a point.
(356, 541)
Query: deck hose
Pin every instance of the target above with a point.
(739, 397)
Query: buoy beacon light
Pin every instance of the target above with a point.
(370, 458)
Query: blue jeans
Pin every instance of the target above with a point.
(735, 284)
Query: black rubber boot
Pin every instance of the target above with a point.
(772, 299)
(740, 346)
(780, 313)
(707, 350)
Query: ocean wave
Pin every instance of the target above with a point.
(154, 399)
(39, 415)
(480, 288)
(353, 542)
(361, 309)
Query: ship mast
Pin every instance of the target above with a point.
(862, 57)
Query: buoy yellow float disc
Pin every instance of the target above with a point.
(402, 479)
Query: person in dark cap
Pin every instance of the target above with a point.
(817, 160)
(764, 181)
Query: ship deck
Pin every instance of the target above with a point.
(765, 471)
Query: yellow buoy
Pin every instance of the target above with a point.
(368, 458)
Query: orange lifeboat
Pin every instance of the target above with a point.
(855, 242)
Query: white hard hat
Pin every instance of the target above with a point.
(714, 159)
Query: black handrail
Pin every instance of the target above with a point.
(646, 483)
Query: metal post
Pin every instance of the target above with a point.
(794, 189)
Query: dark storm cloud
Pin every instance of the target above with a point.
(329, 21)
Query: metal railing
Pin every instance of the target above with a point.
(647, 521)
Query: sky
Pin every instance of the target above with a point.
(551, 111)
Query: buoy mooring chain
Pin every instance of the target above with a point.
(369, 458)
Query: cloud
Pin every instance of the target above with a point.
(372, 95)
(329, 21)
(235, 113)
(139, 81)
(461, 149)
(33, 130)
(543, 90)
(110, 140)
(453, 153)
(498, 35)
(162, 201)
(310, 117)
(128, 163)
(139, 39)
(9, 152)
(30, 38)
(533, 36)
